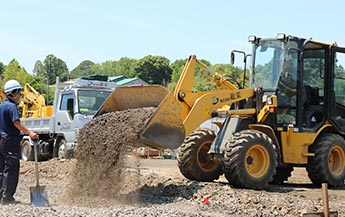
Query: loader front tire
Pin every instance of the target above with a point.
(328, 164)
(250, 160)
(193, 159)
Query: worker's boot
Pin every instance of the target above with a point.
(10, 200)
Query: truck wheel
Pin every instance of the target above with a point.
(328, 164)
(193, 160)
(282, 174)
(27, 152)
(62, 150)
(250, 160)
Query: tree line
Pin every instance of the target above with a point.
(152, 69)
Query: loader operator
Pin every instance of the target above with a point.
(287, 91)
(10, 127)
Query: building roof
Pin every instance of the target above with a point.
(126, 81)
(116, 78)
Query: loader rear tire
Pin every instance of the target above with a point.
(27, 151)
(328, 164)
(282, 174)
(193, 159)
(250, 160)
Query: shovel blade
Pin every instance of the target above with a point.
(38, 196)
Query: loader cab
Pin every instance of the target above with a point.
(295, 70)
(336, 80)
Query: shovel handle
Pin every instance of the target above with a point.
(35, 142)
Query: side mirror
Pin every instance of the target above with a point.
(232, 58)
(70, 105)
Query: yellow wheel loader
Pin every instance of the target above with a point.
(292, 115)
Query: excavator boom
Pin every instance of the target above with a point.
(34, 104)
(2, 95)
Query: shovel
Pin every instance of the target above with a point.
(38, 195)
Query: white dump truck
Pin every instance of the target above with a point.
(74, 105)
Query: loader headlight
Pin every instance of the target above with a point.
(281, 36)
(251, 38)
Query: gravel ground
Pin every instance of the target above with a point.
(104, 181)
(156, 189)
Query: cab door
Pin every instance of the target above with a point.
(337, 89)
(65, 114)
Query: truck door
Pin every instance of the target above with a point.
(337, 88)
(64, 116)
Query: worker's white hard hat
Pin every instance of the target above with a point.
(11, 85)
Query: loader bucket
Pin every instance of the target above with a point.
(129, 97)
(165, 129)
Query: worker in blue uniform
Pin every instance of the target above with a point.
(10, 128)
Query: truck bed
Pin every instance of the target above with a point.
(39, 125)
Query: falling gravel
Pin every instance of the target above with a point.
(100, 154)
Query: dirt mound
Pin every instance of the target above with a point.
(101, 150)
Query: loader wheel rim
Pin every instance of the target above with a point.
(204, 159)
(336, 160)
(257, 161)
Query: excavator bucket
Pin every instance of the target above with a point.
(165, 128)
(129, 97)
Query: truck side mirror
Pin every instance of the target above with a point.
(70, 106)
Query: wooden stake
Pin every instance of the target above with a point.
(325, 200)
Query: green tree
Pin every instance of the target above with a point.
(84, 68)
(54, 67)
(14, 71)
(177, 68)
(153, 69)
(126, 67)
(2, 68)
(104, 68)
(39, 69)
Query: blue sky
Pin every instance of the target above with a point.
(77, 30)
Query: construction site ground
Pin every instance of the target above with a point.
(156, 188)
(104, 180)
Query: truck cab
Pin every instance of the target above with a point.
(74, 105)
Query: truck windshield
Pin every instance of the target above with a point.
(270, 59)
(89, 101)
